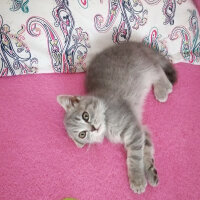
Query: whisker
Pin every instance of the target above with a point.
(88, 147)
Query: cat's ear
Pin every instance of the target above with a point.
(68, 101)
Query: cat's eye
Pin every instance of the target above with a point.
(85, 116)
(82, 134)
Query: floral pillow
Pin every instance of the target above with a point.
(62, 36)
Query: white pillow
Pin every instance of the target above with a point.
(63, 36)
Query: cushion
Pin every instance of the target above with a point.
(63, 36)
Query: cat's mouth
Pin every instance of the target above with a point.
(98, 127)
(93, 128)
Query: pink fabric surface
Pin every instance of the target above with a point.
(39, 162)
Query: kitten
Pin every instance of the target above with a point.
(117, 81)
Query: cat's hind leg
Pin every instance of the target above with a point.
(162, 88)
(163, 85)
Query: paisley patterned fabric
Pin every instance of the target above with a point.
(62, 36)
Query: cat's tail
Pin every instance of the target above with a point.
(170, 72)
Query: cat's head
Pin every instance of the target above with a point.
(85, 118)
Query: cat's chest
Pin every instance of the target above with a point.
(113, 135)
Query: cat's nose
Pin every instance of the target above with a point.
(93, 128)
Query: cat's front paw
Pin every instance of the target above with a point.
(152, 176)
(138, 184)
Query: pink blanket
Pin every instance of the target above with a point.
(39, 161)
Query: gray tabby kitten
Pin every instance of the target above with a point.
(117, 81)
